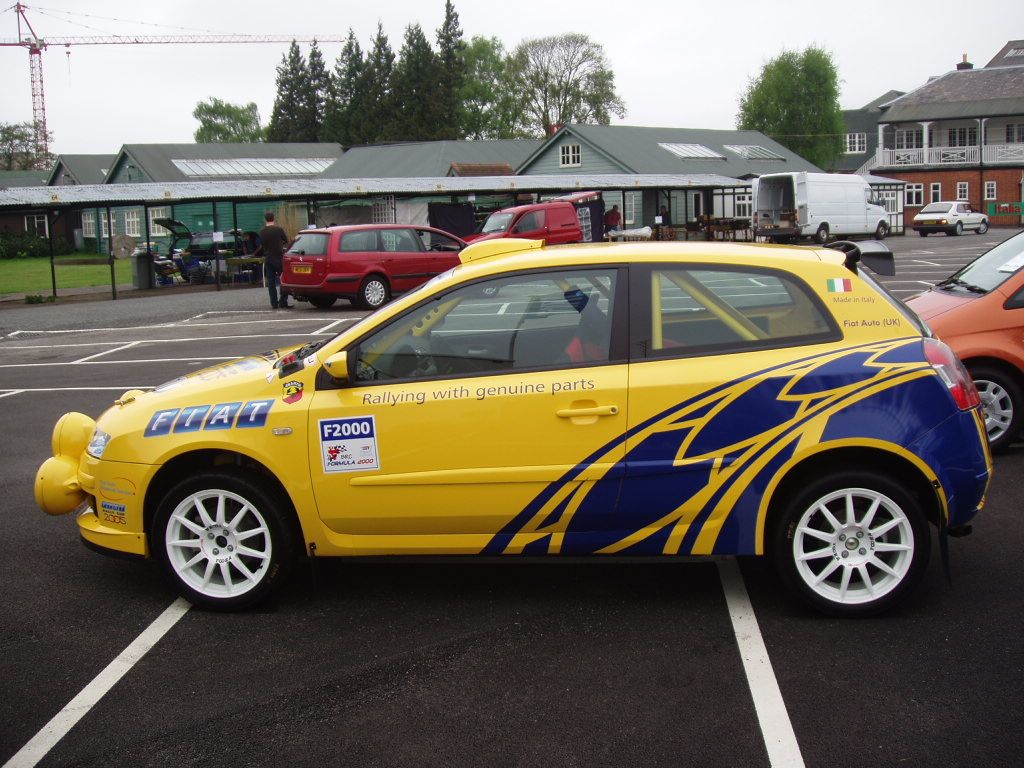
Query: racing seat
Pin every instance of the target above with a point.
(592, 338)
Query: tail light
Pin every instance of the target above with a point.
(952, 372)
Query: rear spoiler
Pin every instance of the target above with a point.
(875, 255)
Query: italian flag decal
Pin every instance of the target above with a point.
(840, 285)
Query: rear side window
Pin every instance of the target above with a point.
(398, 240)
(531, 221)
(365, 240)
(691, 311)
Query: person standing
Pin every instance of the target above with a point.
(273, 240)
(613, 220)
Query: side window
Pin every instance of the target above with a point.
(359, 240)
(703, 311)
(530, 222)
(398, 241)
(435, 241)
(521, 322)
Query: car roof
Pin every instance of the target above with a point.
(364, 227)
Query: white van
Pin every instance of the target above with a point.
(788, 206)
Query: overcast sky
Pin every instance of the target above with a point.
(677, 63)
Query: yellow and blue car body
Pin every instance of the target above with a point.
(478, 415)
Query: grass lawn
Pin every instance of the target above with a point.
(32, 276)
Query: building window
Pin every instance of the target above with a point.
(962, 190)
(743, 205)
(909, 139)
(103, 223)
(569, 155)
(631, 207)
(383, 211)
(856, 143)
(936, 192)
(155, 230)
(890, 200)
(1015, 133)
(36, 224)
(88, 224)
(131, 223)
(915, 194)
(963, 137)
(990, 190)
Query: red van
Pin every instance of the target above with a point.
(554, 221)
(365, 263)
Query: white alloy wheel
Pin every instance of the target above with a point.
(998, 408)
(218, 543)
(853, 546)
(374, 293)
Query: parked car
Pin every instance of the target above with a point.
(979, 312)
(365, 263)
(622, 399)
(553, 221)
(789, 206)
(949, 217)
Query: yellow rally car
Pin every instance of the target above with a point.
(639, 398)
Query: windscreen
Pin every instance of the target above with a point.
(935, 208)
(497, 222)
(993, 268)
(310, 244)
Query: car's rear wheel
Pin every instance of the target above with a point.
(373, 293)
(1001, 399)
(983, 228)
(322, 302)
(922, 233)
(822, 234)
(881, 231)
(851, 543)
(223, 539)
(958, 229)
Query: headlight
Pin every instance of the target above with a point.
(98, 444)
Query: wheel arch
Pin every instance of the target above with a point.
(1005, 366)
(189, 463)
(913, 476)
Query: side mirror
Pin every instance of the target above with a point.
(337, 366)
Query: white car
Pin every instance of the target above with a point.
(950, 217)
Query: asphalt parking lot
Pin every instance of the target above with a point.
(460, 662)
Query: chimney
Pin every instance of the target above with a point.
(554, 128)
(965, 64)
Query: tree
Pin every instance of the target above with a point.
(18, 148)
(289, 120)
(342, 92)
(221, 121)
(418, 113)
(315, 93)
(564, 79)
(372, 105)
(795, 100)
(488, 99)
(451, 67)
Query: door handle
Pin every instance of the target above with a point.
(597, 410)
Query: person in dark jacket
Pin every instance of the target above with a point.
(273, 243)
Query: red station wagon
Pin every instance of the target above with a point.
(365, 263)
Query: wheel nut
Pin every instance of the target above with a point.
(842, 537)
(860, 534)
(862, 550)
(845, 554)
(216, 551)
(230, 548)
(209, 535)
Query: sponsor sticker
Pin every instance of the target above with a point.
(840, 285)
(349, 445)
(292, 391)
(117, 488)
(311, 360)
(194, 418)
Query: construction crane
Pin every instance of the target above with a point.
(35, 45)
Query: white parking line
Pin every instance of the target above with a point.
(105, 352)
(7, 393)
(776, 729)
(122, 362)
(40, 744)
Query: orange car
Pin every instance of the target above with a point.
(979, 312)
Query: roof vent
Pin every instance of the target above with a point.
(965, 64)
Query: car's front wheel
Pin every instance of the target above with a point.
(1001, 400)
(881, 231)
(851, 543)
(822, 234)
(223, 539)
(983, 227)
(958, 229)
(373, 293)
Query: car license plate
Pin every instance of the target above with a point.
(302, 269)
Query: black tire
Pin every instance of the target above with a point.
(854, 548)
(881, 231)
(821, 236)
(982, 228)
(1003, 403)
(922, 233)
(958, 229)
(229, 563)
(373, 293)
(322, 302)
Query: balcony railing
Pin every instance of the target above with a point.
(994, 154)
